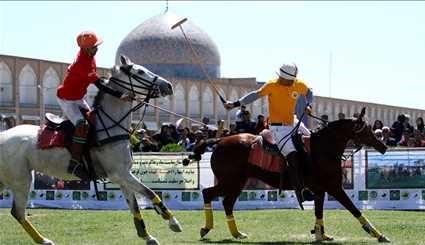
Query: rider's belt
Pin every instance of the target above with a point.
(279, 124)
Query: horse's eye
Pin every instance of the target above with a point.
(141, 72)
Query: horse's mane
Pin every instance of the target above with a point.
(334, 125)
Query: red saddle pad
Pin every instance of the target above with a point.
(49, 138)
(263, 159)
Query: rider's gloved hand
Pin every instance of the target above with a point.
(308, 110)
(230, 105)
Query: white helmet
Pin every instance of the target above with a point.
(288, 71)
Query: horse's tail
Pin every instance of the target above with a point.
(200, 149)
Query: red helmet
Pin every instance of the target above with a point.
(88, 39)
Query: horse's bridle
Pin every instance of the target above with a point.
(358, 146)
(145, 84)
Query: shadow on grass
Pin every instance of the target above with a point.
(233, 241)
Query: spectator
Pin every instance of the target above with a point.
(323, 122)
(405, 137)
(387, 137)
(341, 116)
(246, 126)
(378, 134)
(173, 133)
(240, 113)
(398, 127)
(377, 125)
(407, 124)
(260, 125)
(418, 139)
(147, 145)
(206, 129)
(199, 135)
(164, 136)
(420, 125)
(184, 140)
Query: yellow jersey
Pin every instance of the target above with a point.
(282, 99)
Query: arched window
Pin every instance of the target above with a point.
(6, 86)
(221, 112)
(233, 97)
(345, 110)
(164, 103)
(194, 105)
(27, 86)
(256, 109)
(208, 102)
(329, 111)
(50, 84)
(180, 99)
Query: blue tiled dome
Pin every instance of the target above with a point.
(164, 51)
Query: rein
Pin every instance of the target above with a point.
(345, 157)
(147, 85)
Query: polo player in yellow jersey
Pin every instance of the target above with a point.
(282, 97)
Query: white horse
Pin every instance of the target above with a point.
(20, 155)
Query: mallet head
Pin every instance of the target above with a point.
(179, 23)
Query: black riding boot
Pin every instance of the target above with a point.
(296, 179)
(76, 166)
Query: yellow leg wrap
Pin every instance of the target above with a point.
(30, 229)
(368, 227)
(363, 220)
(319, 222)
(231, 223)
(138, 216)
(209, 220)
(156, 200)
(140, 225)
(164, 211)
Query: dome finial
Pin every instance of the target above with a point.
(166, 6)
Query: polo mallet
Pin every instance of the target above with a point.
(195, 55)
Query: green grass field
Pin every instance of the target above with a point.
(278, 226)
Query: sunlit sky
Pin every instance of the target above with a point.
(364, 51)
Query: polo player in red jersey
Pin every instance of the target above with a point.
(80, 74)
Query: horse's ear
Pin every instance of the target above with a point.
(362, 113)
(125, 60)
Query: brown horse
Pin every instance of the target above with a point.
(229, 163)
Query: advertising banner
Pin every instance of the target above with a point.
(163, 172)
(399, 169)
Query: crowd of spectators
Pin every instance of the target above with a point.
(400, 133)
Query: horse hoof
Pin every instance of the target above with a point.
(383, 239)
(240, 235)
(47, 242)
(150, 240)
(204, 231)
(327, 238)
(174, 225)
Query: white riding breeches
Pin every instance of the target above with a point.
(279, 132)
(71, 109)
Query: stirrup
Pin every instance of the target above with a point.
(300, 199)
(307, 194)
(77, 169)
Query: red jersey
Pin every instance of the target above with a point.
(80, 74)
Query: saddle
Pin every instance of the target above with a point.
(57, 131)
(265, 152)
